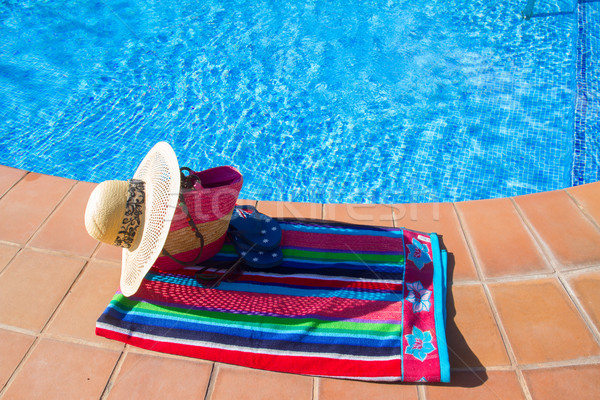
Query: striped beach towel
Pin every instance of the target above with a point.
(353, 302)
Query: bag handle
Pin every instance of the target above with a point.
(187, 182)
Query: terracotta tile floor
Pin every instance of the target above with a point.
(523, 302)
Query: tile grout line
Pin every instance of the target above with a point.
(580, 271)
(391, 215)
(500, 326)
(582, 210)
(57, 253)
(209, 384)
(580, 309)
(95, 252)
(45, 221)
(541, 246)
(19, 251)
(9, 243)
(519, 278)
(533, 276)
(61, 337)
(20, 366)
(17, 329)
(212, 380)
(113, 375)
(421, 395)
(523, 383)
(62, 301)
(591, 360)
(563, 280)
(468, 243)
(15, 184)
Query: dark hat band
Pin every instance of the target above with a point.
(133, 211)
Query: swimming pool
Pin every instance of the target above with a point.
(323, 101)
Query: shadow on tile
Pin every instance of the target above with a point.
(464, 379)
(451, 261)
(458, 348)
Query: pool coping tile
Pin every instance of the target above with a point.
(360, 214)
(288, 209)
(246, 202)
(28, 204)
(568, 235)
(65, 230)
(587, 198)
(501, 243)
(9, 177)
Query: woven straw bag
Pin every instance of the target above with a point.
(201, 219)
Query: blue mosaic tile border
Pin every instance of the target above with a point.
(577, 176)
(586, 132)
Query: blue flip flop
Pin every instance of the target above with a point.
(262, 259)
(255, 237)
(254, 228)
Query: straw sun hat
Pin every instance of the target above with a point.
(136, 214)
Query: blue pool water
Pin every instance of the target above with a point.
(323, 101)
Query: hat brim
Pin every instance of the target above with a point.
(160, 172)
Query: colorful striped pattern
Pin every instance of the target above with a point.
(337, 307)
